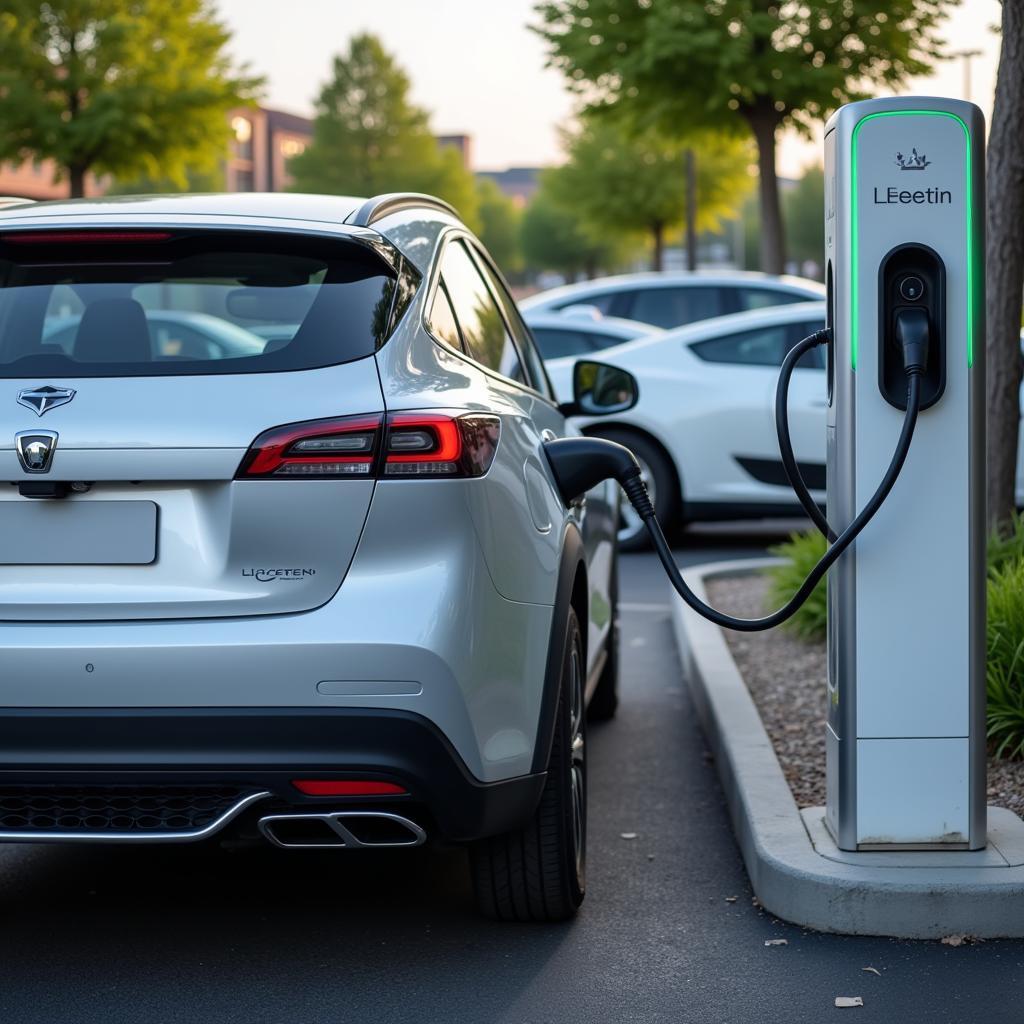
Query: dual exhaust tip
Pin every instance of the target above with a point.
(351, 830)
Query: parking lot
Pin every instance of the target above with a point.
(264, 936)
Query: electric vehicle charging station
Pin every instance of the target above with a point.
(904, 216)
(906, 605)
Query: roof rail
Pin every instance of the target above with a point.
(6, 201)
(394, 202)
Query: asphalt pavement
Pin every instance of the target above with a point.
(668, 932)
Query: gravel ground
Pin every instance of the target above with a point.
(786, 678)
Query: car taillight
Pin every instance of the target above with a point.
(345, 447)
(421, 445)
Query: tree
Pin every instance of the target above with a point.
(1005, 267)
(369, 138)
(803, 207)
(616, 181)
(553, 239)
(748, 65)
(125, 87)
(499, 226)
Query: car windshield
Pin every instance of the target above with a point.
(150, 303)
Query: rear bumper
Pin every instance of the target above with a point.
(263, 750)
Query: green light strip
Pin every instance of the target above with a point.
(855, 228)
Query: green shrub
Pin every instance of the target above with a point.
(1006, 548)
(1005, 627)
(1004, 669)
(803, 551)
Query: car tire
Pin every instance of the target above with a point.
(660, 478)
(538, 872)
(604, 701)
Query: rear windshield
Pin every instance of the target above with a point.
(149, 303)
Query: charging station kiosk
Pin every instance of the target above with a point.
(904, 218)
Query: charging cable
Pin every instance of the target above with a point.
(580, 463)
(789, 463)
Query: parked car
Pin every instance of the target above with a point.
(704, 428)
(174, 334)
(560, 336)
(325, 592)
(670, 300)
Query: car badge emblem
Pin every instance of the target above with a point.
(35, 449)
(41, 400)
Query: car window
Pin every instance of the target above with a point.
(483, 329)
(672, 307)
(558, 343)
(184, 304)
(815, 359)
(441, 320)
(763, 346)
(602, 301)
(760, 298)
(528, 353)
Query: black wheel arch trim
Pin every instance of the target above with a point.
(573, 560)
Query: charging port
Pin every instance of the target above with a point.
(911, 299)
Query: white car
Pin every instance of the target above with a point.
(704, 427)
(670, 300)
(560, 335)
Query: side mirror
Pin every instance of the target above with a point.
(600, 390)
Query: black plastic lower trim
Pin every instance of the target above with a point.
(264, 748)
(713, 511)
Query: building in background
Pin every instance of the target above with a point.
(462, 144)
(518, 183)
(35, 179)
(262, 143)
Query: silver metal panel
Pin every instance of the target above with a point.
(42, 532)
(907, 641)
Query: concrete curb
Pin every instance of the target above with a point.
(807, 880)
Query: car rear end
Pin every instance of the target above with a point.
(201, 622)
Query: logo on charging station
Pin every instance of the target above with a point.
(912, 197)
(912, 162)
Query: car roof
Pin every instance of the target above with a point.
(287, 205)
(666, 279)
(732, 323)
(615, 326)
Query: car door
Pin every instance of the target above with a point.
(745, 365)
(597, 513)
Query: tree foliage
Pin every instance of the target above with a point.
(617, 181)
(749, 65)
(130, 88)
(803, 208)
(499, 219)
(369, 138)
(554, 239)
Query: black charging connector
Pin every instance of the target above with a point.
(912, 336)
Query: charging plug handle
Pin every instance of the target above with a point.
(912, 335)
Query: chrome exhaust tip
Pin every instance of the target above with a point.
(346, 830)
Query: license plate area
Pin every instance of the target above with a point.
(62, 532)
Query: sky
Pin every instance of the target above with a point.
(479, 70)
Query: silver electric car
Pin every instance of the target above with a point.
(319, 588)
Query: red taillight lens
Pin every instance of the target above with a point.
(321, 448)
(421, 445)
(347, 787)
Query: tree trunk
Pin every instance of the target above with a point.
(764, 121)
(1005, 270)
(690, 159)
(76, 177)
(658, 246)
